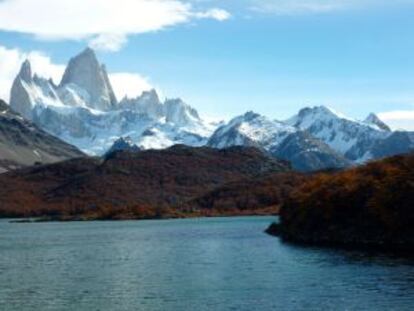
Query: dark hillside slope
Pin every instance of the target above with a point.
(22, 143)
(130, 183)
(268, 191)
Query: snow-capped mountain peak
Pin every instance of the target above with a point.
(373, 120)
(178, 112)
(251, 129)
(250, 115)
(150, 96)
(85, 71)
(147, 103)
(308, 115)
(28, 91)
(349, 137)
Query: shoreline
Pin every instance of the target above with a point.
(86, 218)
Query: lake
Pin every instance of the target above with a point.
(189, 264)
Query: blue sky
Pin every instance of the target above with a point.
(227, 57)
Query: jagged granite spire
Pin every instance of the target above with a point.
(26, 71)
(20, 100)
(85, 72)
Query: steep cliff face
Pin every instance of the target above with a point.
(85, 72)
(22, 92)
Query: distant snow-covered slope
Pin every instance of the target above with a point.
(353, 139)
(305, 152)
(251, 129)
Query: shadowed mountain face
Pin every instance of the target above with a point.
(397, 143)
(307, 153)
(369, 206)
(130, 184)
(22, 143)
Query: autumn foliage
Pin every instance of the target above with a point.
(372, 205)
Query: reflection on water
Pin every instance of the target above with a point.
(193, 264)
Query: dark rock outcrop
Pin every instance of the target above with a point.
(123, 144)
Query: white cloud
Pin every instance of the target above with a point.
(217, 14)
(106, 22)
(108, 42)
(399, 119)
(130, 84)
(293, 7)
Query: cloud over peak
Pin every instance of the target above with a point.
(109, 24)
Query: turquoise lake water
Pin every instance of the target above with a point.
(190, 264)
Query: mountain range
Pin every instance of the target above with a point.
(83, 110)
